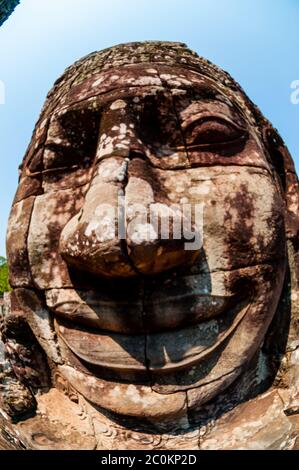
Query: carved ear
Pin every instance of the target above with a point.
(285, 169)
(284, 331)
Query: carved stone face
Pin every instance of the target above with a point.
(146, 327)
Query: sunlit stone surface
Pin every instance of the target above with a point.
(135, 342)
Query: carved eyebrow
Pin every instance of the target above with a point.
(105, 95)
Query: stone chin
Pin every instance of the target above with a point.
(145, 328)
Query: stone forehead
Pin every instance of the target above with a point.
(154, 52)
(170, 53)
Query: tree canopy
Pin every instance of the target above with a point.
(6, 8)
(4, 284)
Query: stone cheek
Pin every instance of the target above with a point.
(28, 186)
(39, 320)
(51, 213)
(242, 213)
(17, 234)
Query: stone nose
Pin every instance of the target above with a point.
(127, 226)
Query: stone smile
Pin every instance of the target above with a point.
(155, 352)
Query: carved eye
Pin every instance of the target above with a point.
(72, 140)
(214, 131)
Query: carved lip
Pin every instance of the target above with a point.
(127, 309)
(157, 352)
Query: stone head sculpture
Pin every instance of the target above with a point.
(150, 330)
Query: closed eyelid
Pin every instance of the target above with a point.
(208, 116)
(49, 170)
(208, 130)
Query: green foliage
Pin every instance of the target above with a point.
(4, 284)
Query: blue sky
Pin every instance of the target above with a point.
(257, 41)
